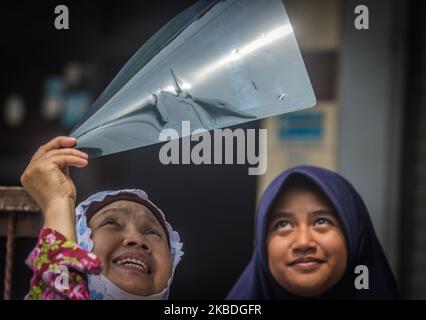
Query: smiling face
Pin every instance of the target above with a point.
(305, 243)
(132, 247)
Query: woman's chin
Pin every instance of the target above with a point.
(132, 284)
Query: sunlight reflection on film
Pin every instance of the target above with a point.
(216, 64)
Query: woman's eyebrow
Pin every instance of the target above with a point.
(323, 212)
(114, 210)
(283, 214)
(151, 219)
(153, 222)
(148, 217)
(289, 215)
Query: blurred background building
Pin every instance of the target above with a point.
(369, 125)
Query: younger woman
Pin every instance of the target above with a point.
(314, 239)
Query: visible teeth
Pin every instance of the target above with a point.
(134, 263)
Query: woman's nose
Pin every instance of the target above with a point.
(304, 243)
(137, 240)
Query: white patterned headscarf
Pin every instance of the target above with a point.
(100, 287)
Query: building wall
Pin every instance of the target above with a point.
(413, 186)
(371, 92)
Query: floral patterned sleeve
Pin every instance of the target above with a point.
(54, 250)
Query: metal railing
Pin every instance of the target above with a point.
(20, 216)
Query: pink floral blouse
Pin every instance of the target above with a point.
(54, 250)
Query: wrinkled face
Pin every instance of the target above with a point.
(132, 247)
(305, 243)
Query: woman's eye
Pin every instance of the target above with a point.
(322, 221)
(110, 222)
(282, 224)
(154, 232)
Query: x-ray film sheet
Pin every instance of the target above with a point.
(216, 64)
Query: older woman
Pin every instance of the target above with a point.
(114, 245)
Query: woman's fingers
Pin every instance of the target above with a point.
(67, 152)
(46, 176)
(56, 143)
(63, 161)
(67, 142)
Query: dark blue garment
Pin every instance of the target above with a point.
(256, 282)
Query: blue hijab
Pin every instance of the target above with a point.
(256, 282)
